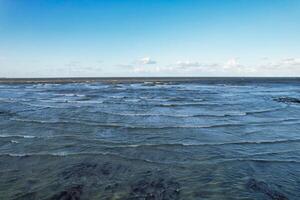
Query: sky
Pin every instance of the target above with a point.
(104, 38)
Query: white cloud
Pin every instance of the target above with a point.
(140, 66)
(232, 67)
(232, 63)
(146, 61)
(185, 64)
(191, 67)
(125, 65)
(291, 61)
(73, 64)
(195, 65)
(147, 69)
(79, 68)
(282, 64)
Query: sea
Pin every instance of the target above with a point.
(150, 138)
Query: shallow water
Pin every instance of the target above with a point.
(148, 140)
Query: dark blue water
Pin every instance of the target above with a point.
(150, 140)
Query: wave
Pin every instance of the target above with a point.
(262, 160)
(193, 115)
(18, 136)
(60, 154)
(115, 125)
(183, 144)
(71, 95)
(145, 114)
(42, 106)
(13, 100)
(212, 144)
(132, 100)
(265, 141)
(182, 99)
(223, 115)
(152, 104)
(265, 110)
(272, 153)
(128, 126)
(33, 154)
(65, 154)
(193, 144)
(29, 110)
(151, 114)
(72, 122)
(187, 104)
(86, 101)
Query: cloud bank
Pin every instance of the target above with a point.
(230, 67)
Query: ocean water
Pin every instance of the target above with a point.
(150, 140)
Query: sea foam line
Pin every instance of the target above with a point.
(20, 136)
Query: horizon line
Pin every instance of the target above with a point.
(129, 79)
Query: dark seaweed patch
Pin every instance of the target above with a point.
(287, 100)
(94, 170)
(79, 170)
(7, 113)
(260, 186)
(157, 189)
(72, 193)
(27, 196)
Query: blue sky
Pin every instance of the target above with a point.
(50, 38)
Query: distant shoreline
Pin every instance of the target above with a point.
(211, 80)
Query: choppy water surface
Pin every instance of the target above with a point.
(170, 140)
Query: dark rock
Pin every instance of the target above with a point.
(260, 186)
(72, 193)
(159, 189)
(287, 100)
